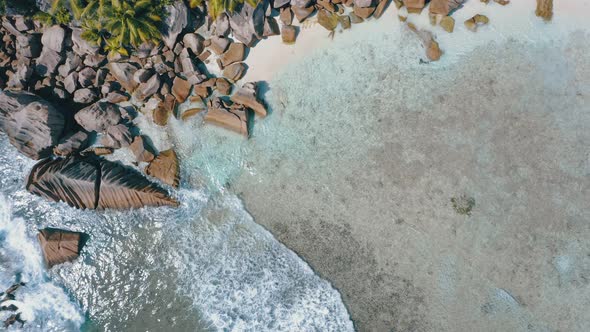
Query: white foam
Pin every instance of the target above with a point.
(42, 304)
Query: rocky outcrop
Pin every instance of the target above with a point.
(232, 118)
(165, 168)
(99, 116)
(60, 246)
(33, 125)
(94, 183)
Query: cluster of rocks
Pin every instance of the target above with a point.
(70, 169)
(8, 303)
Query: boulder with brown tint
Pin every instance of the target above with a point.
(60, 246)
(165, 167)
(247, 95)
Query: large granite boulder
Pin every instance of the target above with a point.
(117, 137)
(248, 24)
(47, 62)
(99, 116)
(95, 183)
(60, 246)
(176, 20)
(33, 125)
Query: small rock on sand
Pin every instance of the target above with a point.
(289, 34)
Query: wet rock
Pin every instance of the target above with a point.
(234, 71)
(32, 125)
(176, 20)
(117, 137)
(235, 53)
(165, 168)
(181, 89)
(53, 38)
(85, 96)
(289, 34)
(73, 143)
(94, 183)
(99, 116)
(247, 95)
(123, 72)
(444, 7)
(141, 149)
(60, 246)
(544, 9)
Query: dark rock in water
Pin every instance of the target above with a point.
(33, 125)
(176, 20)
(95, 183)
(60, 246)
(117, 137)
(74, 143)
(99, 116)
(165, 167)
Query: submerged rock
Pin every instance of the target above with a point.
(33, 125)
(60, 246)
(289, 34)
(476, 21)
(95, 183)
(433, 51)
(165, 167)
